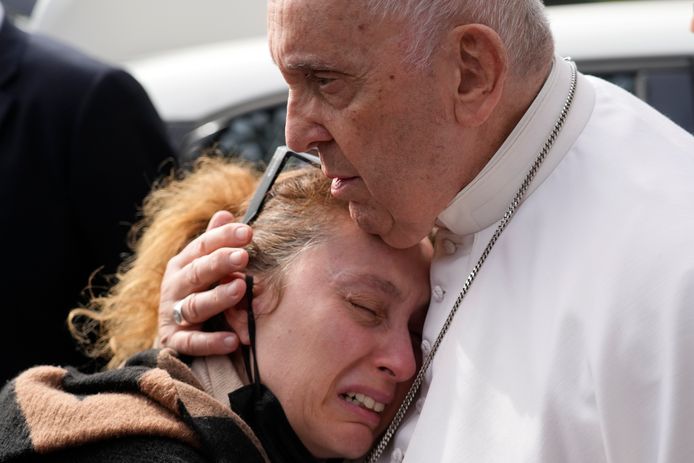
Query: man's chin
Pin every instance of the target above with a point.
(368, 219)
(382, 224)
(399, 240)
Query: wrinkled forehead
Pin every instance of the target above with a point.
(294, 25)
(301, 16)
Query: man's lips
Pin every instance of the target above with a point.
(341, 187)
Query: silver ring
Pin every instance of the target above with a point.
(178, 314)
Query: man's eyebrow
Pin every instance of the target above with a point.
(369, 279)
(309, 64)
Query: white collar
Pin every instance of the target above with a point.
(2, 15)
(485, 200)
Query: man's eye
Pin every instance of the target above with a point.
(326, 83)
(323, 81)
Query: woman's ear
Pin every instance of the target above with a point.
(237, 318)
(481, 63)
(264, 301)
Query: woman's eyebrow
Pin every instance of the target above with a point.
(369, 279)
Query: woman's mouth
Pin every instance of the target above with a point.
(363, 401)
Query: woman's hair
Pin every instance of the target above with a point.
(299, 213)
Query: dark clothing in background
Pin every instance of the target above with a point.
(80, 146)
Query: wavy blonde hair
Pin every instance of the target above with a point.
(300, 212)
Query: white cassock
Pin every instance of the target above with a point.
(576, 340)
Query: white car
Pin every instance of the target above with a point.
(120, 30)
(229, 95)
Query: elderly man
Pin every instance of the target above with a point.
(562, 307)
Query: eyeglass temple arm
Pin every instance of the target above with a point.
(279, 159)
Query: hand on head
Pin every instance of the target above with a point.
(204, 280)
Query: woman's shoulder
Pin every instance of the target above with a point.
(154, 396)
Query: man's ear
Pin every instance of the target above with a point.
(482, 67)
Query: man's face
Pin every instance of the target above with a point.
(384, 129)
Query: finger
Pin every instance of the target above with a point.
(233, 235)
(204, 272)
(220, 218)
(200, 307)
(198, 343)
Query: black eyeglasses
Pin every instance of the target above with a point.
(277, 163)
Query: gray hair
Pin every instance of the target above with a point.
(521, 24)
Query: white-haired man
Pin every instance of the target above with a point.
(563, 282)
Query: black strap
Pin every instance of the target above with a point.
(251, 330)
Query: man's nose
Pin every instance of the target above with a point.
(304, 129)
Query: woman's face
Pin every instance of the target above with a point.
(338, 350)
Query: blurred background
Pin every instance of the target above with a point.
(206, 66)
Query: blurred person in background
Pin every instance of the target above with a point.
(80, 144)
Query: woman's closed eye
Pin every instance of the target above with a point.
(366, 309)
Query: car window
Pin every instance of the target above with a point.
(255, 135)
(670, 91)
(251, 136)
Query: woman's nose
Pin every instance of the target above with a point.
(397, 358)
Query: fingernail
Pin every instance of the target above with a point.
(229, 341)
(241, 232)
(236, 257)
(235, 288)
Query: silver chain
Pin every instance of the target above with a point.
(376, 452)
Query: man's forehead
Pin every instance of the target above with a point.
(313, 34)
(300, 15)
(309, 34)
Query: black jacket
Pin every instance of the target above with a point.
(80, 145)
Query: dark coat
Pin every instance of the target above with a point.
(80, 145)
